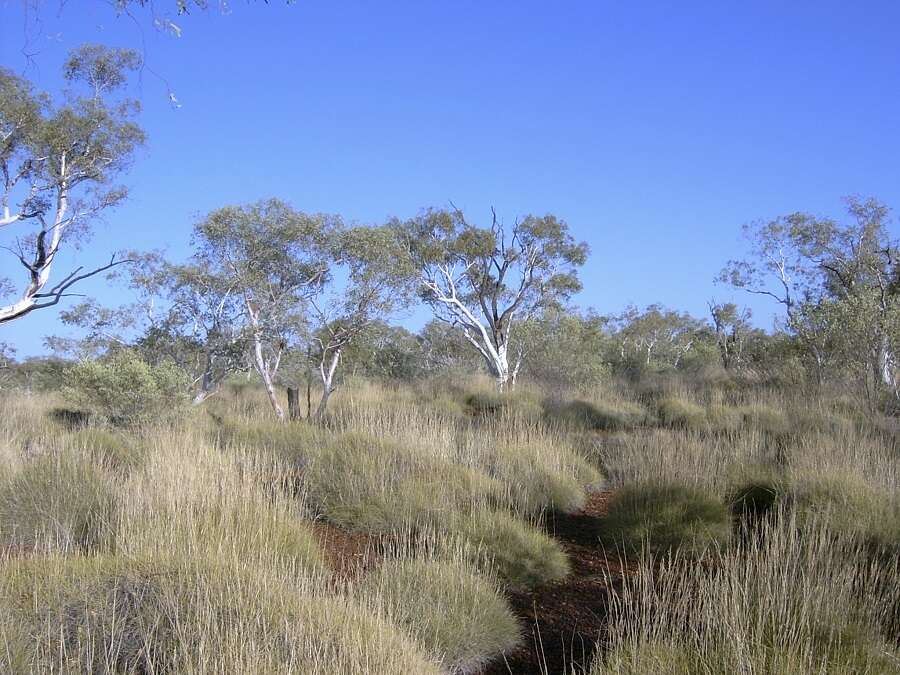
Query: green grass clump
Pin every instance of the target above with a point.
(538, 479)
(582, 415)
(458, 616)
(649, 658)
(756, 493)
(766, 419)
(61, 502)
(103, 615)
(849, 507)
(290, 443)
(484, 403)
(678, 413)
(724, 418)
(665, 517)
(520, 554)
(113, 450)
(364, 483)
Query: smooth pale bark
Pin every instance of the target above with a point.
(43, 264)
(327, 375)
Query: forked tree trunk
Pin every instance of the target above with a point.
(327, 375)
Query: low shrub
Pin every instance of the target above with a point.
(664, 518)
(459, 617)
(678, 413)
(124, 390)
(521, 555)
(57, 503)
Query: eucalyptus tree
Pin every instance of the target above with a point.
(487, 280)
(656, 336)
(817, 262)
(266, 261)
(58, 163)
(732, 328)
(370, 281)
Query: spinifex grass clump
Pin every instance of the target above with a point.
(849, 507)
(678, 413)
(113, 450)
(368, 484)
(785, 601)
(104, 615)
(520, 554)
(57, 503)
(664, 518)
(538, 478)
(457, 615)
(756, 492)
(598, 416)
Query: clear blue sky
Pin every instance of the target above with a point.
(654, 129)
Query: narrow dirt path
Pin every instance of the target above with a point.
(562, 621)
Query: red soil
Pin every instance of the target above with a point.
(560, 622)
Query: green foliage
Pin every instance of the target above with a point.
(458, 616)
(521, 555)
(57, 503)
(665, 518)
(125, 390)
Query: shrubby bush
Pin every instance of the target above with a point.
(124, 390)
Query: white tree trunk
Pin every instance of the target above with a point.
(41, 272)
(327, 375)
(498, 365)
(887, 365)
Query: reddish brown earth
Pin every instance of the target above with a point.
(561, 622)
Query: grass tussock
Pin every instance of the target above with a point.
(114, 615)
(665, 518)
(57, 503)
(783, 601)
(455, 613)
(521, 555)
